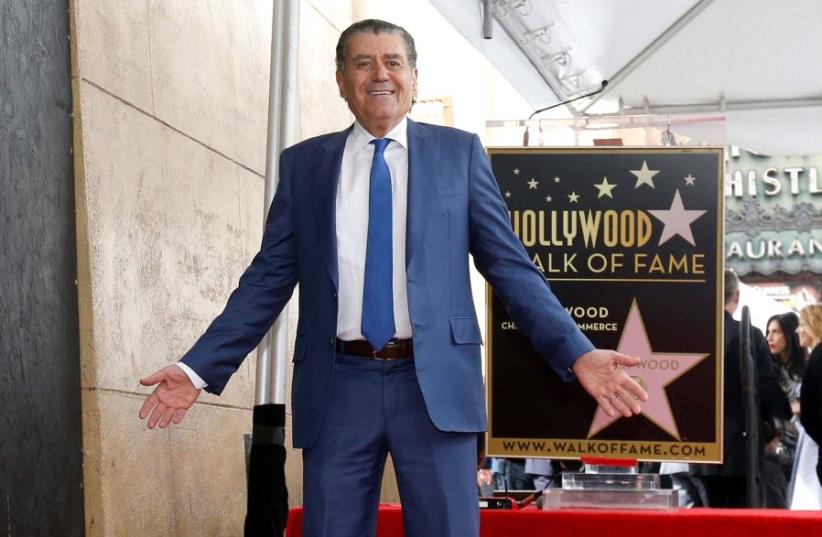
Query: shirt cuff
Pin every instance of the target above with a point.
(195, 379)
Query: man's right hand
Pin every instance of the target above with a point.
(171, 399)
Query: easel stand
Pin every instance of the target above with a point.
(610, 484)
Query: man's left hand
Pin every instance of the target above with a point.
(603, 375)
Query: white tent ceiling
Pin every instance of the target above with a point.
(754, 61)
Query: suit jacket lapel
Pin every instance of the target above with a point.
(423, 155)
(325, 198)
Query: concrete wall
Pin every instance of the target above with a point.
(170, 101)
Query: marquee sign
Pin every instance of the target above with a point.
(773, 220)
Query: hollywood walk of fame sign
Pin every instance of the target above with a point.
(630, 241)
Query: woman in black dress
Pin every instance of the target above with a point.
(810, 335)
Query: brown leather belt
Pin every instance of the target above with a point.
(395, 349)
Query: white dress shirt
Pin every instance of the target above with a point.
(352, 227)
(352, 231)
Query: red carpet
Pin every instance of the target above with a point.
(578, 523)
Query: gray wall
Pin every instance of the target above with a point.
(40, 430)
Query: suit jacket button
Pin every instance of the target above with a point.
(331, 341)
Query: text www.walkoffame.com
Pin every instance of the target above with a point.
(603, 448)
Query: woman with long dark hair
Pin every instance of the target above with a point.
(789, 362)
(789, 356)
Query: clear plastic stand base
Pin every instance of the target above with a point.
(604, 486)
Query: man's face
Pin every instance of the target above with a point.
(377, 82)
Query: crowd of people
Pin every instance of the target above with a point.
(788, 360)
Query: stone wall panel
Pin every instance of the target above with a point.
(172, 226)
(210, 67)
(114, 48)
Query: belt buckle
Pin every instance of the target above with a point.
(375, 357)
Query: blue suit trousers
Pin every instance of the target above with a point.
(376, 408)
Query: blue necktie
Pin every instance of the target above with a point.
(378, 290)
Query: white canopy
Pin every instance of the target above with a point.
(755, 62)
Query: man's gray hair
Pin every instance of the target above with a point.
(375, 26)
(731, 285)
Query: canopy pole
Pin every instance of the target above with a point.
(282, 132)
(487, 20)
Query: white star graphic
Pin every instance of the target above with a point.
(573, 197)
(677, 220)
(689, 180)
(557, 179)
(644, 175)
(532, 184)
(548, 199)
(516, 171)
(507, 194)
(605, 188)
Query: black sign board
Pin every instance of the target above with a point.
(630, 240)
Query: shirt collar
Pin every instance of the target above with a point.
(360, 138)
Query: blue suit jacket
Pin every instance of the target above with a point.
(454, 208)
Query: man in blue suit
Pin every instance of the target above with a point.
(375, 224)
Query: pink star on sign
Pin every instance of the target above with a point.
(677, 220)
(657, 370)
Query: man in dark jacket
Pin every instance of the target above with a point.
(725, 484)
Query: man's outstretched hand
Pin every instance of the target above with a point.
(603, 374)
(171, 399)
